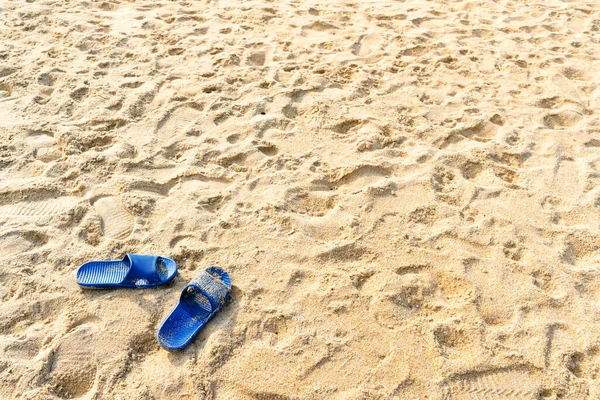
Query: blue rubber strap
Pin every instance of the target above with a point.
(212, 288)
(202, 292)
(214, 305)
(142, 267)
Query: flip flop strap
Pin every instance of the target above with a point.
(212, 288)
(141, 267)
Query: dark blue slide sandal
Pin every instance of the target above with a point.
(199, 302)
(134, 271)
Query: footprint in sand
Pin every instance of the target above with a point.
(73, 365)
(562, 119)
(504, 383)
(13, 243)
(176, 122)
(40, 211)
(367, 44)
(42, 143)
(116, 222)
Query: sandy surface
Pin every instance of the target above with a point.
(405, 194)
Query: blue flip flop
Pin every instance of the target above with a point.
(134, 271)
(199, 302)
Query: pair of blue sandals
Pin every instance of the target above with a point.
(198, 303)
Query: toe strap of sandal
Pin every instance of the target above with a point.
(142, 268)
(212, 287)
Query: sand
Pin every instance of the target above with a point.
(405, 194)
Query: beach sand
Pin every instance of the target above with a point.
(405, 195)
